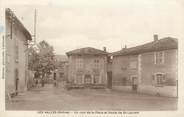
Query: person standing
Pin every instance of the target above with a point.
(55, 82)
(42, 80)
(36, 78)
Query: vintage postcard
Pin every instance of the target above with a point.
(92, 58)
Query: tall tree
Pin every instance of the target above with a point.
(42, 61)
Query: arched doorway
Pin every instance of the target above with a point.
(87, 79)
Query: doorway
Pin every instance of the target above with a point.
(134, 83)
(16, 81)
(87, 79)
(109, 80)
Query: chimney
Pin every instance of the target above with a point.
(104, 49)
(155, 36)
(125, 47)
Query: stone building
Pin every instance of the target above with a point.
(16, 56)
(87, 67)
(61, 62)
(149, 68)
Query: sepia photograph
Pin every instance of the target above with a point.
(91, 56)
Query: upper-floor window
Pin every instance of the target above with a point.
(3, 57)
(16, 51)
(79, 63)
(97, 63)
(159, 57)
(133, 64)
(7, 58)
(3, 43)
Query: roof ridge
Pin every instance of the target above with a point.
(161, 44)
(86, 50)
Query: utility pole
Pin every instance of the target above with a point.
(35, 17)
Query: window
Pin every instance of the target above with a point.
(87, 79)
(16, 73)
(16, 53)
(3, 57)
(159, 57)
(109, 59)
(79, 79)
(134, 79)
(159, 79)
(8, 58)
(96, 79)
(3, 42)
(96, 63)
(79, 63)
(15, 30)
(3, 73)
(16, 50)
(124, 81)
(133, 65)
(11, 28)
(61, 75)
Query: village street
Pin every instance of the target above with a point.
(56, 98)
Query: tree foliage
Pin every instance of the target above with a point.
(41, 59)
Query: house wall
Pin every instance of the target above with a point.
(88, 66)
(62, 72)
(169, 68)
(122, 70)
(146, 68)
(18, 39)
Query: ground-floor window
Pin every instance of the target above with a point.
(124, 81)
(61, 75)
(79, 79)
(96, 79)
(159, 79)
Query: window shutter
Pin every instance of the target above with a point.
(153, 79)
(154, 57)
(163, 58)
(164, 78)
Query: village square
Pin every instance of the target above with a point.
(141, 77)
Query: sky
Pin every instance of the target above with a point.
(69, 24)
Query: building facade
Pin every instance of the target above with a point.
(61, 63)
(87, 67)
(16, 44)
(150, 68)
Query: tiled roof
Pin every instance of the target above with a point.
(159, 45)
(87, 51)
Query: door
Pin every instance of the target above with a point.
(109, 80)
(87, 79)
(134, 83)
(16, 80)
